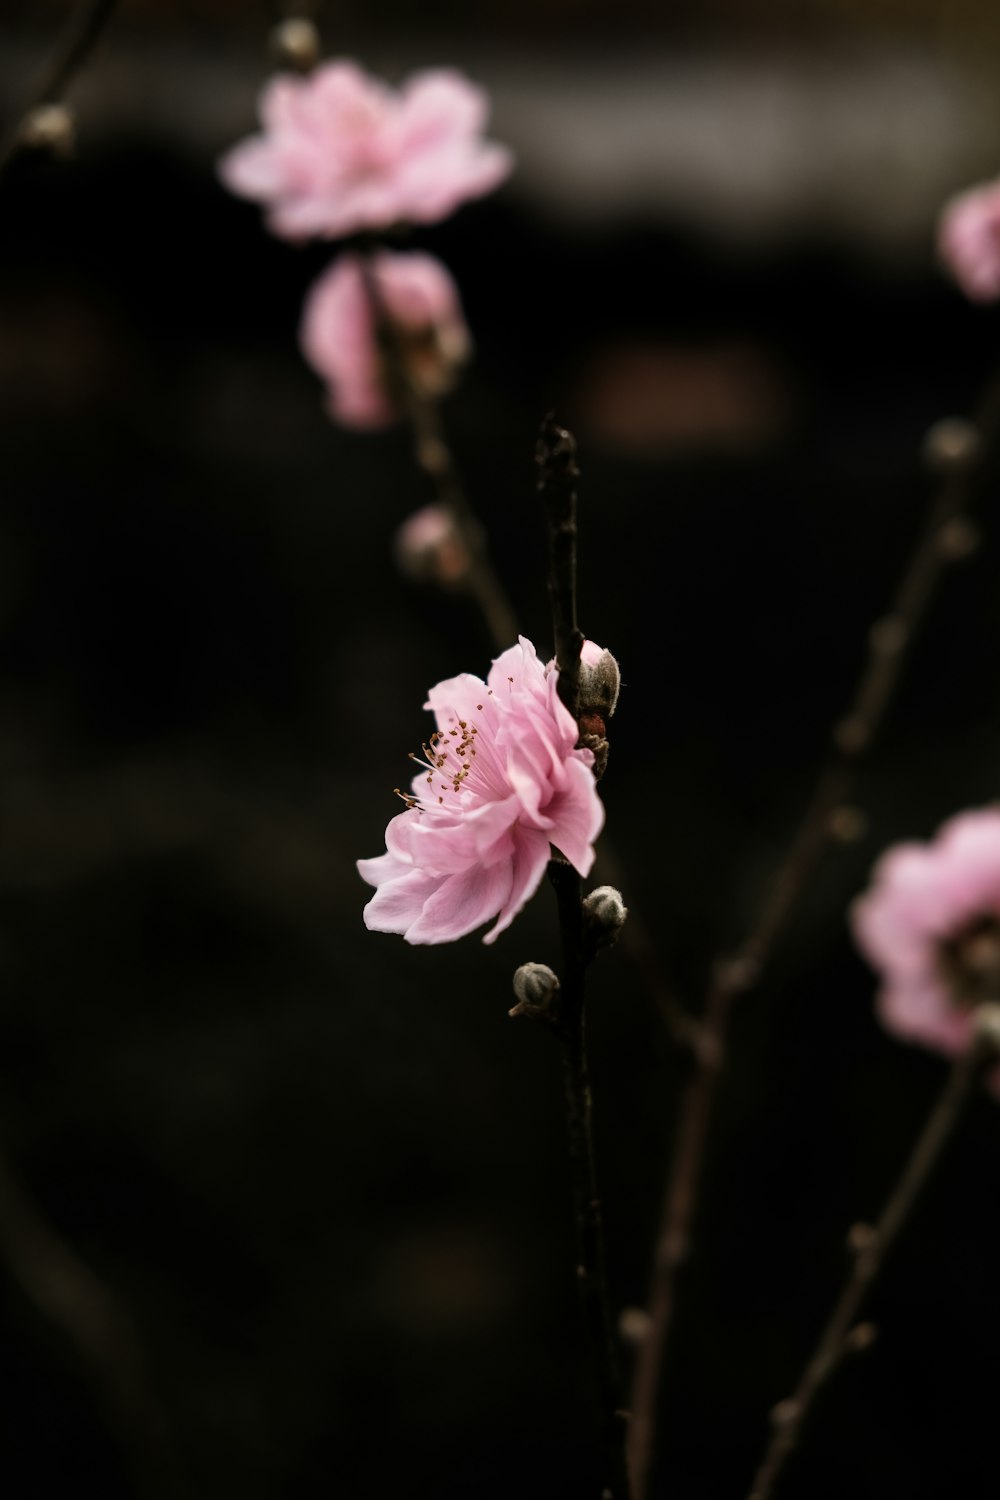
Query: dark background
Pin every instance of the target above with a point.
(322, 1171)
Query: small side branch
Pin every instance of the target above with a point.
(435, 458)
(77, 42)
(956, 451)
(870, 1247)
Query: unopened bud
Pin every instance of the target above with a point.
(951, 445)
(535, 989)
(600, 680)
(987, 1024)
(48, 127)
(295, 44)
(428, 547)
(604, 914)
(634, 1325)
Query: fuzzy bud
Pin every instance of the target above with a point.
(295, 44)
(49, 127)
(951, 446)
(535, 989)
(604, 914)
(600, 681)
(987, 1024)
(429, 548)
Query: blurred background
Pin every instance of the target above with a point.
(322, 1172)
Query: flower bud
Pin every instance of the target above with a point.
(48, 127)
(600, 680)
(987, 1024)
(535, 988)
(429, 548)
(952, 445)
(604, 914)
(295, 44)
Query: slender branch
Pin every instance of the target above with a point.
(957, 451)
(75, 1302)
(557, 475)
(555, 455)
(434, 456)
(871, 1247)
(74, 46)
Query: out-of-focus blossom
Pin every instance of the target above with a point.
(420, 302)
(930, 923)
(500, 781)
(428, 547)
(341, 151)
(969, 241)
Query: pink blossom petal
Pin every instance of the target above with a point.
(462, 903)
(910, 926)
(531, 858)
(398, 902)
(504, 779)
(341, 152)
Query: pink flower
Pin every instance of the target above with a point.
(931, 924)
(338, 336)
(428, 547)
(343, 152)
(969, 241)
(501, 781)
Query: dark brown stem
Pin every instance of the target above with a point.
(555, 455)
(889, 643)
(871, 1246)
(77, 1304)
(556, 458)
(73, 48)
(591, 1268)
(434, 456)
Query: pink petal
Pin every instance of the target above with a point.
(462, 903)
(531, 858)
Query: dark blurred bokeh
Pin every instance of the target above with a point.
(323, 1172)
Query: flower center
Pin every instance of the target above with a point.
(448, 757)
(969, 963)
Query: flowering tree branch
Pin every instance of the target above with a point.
(435, 458)
(557, 474)
(955, 450)
(870, 1246)
(555, 456)
(74, 46)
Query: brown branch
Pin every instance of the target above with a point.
(870, 1247)
(72, 50)
(434, 456)
(556, 456)
(956, 451)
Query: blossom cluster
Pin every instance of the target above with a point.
(342, 154)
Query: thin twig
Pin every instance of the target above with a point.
(74, 46)
(555, 455)
(959, 457)
(434, 456)
(77, 1304)
(870, 1246)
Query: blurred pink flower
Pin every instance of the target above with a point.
(342, 151)
(930, 923)
(501, 781)
(428, 546)
(338, 336)
(969, 241)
